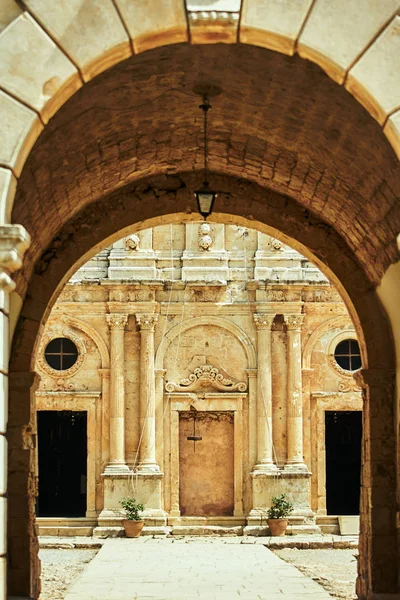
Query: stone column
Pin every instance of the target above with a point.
(295, 460)
(147, 449)
(117, 462)
(265, 460)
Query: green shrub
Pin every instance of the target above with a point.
(280, 507)
(132, 509)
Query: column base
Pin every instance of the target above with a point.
(147, 468)
(266, 468)
(116, 469)
(296, 467)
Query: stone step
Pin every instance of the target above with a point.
(207, 521)
(215, 530)
(66, 521)
(328, 524)
(69, 531)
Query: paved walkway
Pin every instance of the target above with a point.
(168, 569)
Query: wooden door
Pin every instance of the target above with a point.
(206, 468)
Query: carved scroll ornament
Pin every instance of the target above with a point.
(206, 375)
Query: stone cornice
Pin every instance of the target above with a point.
(67, 394)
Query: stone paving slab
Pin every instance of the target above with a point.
(301, 542)
(162, 569)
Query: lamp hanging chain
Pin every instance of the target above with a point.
(205, 108)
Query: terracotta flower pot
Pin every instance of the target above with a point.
(133, 529)
(277, 527)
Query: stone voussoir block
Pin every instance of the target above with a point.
(90, 33)
(45, 77)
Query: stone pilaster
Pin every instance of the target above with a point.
(295, 460)
(23, 562)
(265, 460)
(252, 416)
(147, 441)
(159, 414)
(105, 415)
(117, 464)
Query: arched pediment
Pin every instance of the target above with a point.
(206, 376)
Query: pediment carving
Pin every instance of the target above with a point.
(204, 376)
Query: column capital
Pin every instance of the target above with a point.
(251, 373)
(263, 321)
(116, 321)
(14, 241)
(105, 373)
(293, 322)
(146, 322)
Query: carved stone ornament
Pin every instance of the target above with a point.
(276, 245)
(283, 296)
(293, 322)
(204, 294)
(214, 15)
(263, 321)
(132, 242)
(117, 321)
(349, 375)
(205, 238)
(203, 376)
(68, 333)
(127, 295)
(146, 322)
(277, 295)
(349, 386)
(14, 241)
(60, 385)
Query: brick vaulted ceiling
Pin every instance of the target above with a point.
(280, 122)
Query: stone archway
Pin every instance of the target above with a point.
(314, 204)
(366, 302)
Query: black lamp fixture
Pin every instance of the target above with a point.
(205, 196)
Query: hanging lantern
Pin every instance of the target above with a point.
(205, 196)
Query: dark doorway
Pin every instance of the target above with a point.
(62, 438)
(343, 432)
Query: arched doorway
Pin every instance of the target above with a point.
(260, 178)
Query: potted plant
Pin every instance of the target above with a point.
(133, 523)
(278, 515)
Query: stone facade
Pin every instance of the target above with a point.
(206, 319)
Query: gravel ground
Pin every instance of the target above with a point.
(59, 568)
(335, 570)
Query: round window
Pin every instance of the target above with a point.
(347, 355)
(61, 354)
